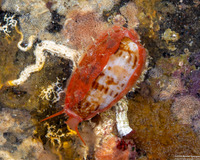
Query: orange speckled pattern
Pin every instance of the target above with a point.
(114, 43)
(111, 81)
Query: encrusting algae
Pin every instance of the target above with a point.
(157, 132)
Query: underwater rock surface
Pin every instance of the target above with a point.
(47, 38)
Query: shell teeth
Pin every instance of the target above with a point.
(146, 68)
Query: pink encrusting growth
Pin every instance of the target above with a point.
(105, 73)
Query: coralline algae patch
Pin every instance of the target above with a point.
(166, 79)
(16, 141)
(157, 132)
(192, 80)
(186, 109)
